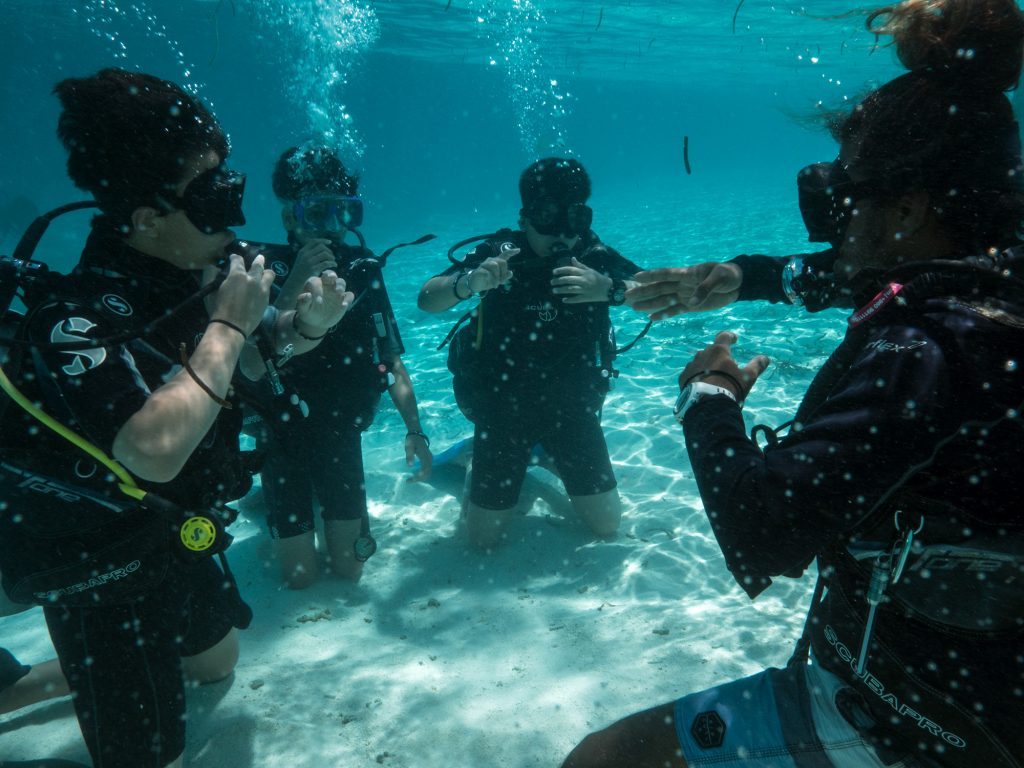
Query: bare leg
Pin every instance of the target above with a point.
(214, 663)
(644, 740)
(44, 681)
(601, 511)
(296, 557)
(341, 537)
(486, 527)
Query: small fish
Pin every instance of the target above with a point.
(600, 18)
(735, 14)
(686, 155)
(449, 5)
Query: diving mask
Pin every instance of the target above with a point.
(828, 198)
(551, 217)
(212, 201)
(329, 213)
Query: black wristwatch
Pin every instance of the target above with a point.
(617, 293)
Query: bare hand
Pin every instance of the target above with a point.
(580, 284)
(673, 291)
(323, 302)
(491, 273)
(416, 448)
(243, 296)
(314, 258)
(718, 357)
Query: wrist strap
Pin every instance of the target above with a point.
(455, 286)
(727, 376)
(230, 325)
(295, 327)
(183, 354)
(415, 433)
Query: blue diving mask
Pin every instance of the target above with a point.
(329, 213)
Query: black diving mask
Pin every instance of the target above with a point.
(551, 217)
(213, 200)
(828, 197)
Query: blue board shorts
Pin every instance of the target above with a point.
(780, 718)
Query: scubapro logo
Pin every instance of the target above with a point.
(117, 305)
(544, 311)
(279, 268)
(71, 330)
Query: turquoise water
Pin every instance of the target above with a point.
(439, 106)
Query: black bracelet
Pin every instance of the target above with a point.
(230, 325)
(295, 327)
(183, 353)
(413, 432)
(455, 286)
(727, 376)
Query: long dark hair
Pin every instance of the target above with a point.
(947, 126)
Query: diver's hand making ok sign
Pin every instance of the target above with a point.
(715, 365)
(580, 284)
(323, 302)
(491, 273)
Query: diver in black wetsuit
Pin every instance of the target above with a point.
(534, 364)
(341, 382)
(118, 430)
(901, 474)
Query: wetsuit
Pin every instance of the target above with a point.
(531, 369)
(121, 625)
(927, 364)
(341, 381)
(11, 670)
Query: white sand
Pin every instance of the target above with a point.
(444, 656)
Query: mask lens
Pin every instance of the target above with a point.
(330, 213)
(213, 200)
(550, 218)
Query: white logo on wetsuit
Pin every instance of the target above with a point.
(117, 305)
(70, 330)
(544, 311)
(878, 688)
(279, 268)
(881, 345)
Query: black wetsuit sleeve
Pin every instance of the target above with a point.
(393, 347)
(772, 511)
(762, 275)
(762, 278)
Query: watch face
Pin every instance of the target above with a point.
(364, 547)
(684, 395)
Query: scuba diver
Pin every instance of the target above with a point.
(533, 364)
(118, 428)
(901, 474)
(341, 383)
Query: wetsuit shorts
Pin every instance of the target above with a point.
(123, 663)
(322, 461)
(502, 447)
(11, 670)
(797, 717)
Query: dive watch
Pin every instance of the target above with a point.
(617, 293)
(695, 392)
